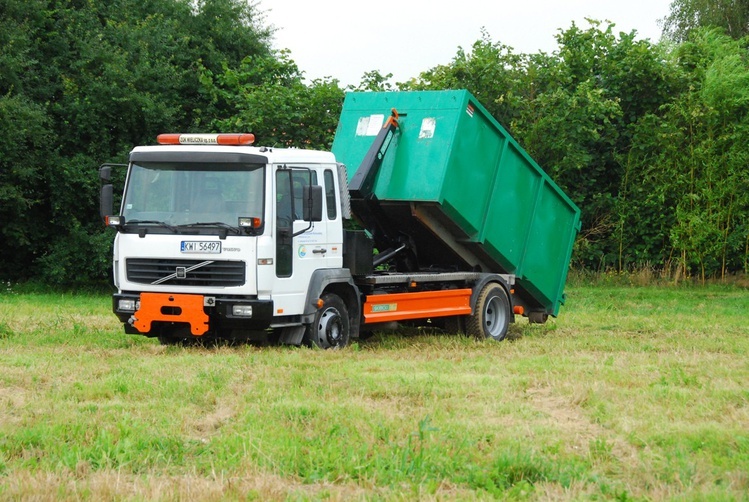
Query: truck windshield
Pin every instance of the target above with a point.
(193, 193)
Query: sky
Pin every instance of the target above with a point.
(343, 39)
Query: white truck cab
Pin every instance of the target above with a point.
(215, 235)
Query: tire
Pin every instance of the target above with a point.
(330, 329)
(491, 316)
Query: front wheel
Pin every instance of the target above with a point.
(330, 329)
(491, 317)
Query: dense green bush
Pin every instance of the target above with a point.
(650, 140)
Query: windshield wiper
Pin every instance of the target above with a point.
(219, 224)
(153, 222)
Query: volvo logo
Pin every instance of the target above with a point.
(181, 272)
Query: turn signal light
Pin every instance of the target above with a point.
(250, 222)
(113, 221)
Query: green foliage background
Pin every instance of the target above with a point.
(650, 140)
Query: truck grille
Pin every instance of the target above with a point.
(177, 272)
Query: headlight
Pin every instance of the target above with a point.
(127, 305)
(241, 310)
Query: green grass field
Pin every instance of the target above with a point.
(632, 393)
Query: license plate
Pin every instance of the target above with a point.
(209, 247)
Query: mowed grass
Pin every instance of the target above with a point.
(632, 393)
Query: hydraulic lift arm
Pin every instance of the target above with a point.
(362, 184)
(367, 208)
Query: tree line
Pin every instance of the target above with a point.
(649, 139)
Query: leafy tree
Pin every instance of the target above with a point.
(590, 94)
(268, 97)
(688, 15)
(82, 83)
(23, 163)
(375, 81)
(692, 155)
(650, 140)
(491, 71)
(25, 152)
(573, 110)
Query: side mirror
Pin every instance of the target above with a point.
(312, 203)
(105, 173)
(106, 196)
(106, 201)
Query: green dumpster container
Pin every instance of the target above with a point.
(464, 190)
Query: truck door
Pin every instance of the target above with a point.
(297, 257)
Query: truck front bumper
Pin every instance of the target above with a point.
(144, 313)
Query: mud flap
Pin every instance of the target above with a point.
(292, 335)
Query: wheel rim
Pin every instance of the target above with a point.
(331, 326)
(494, 317)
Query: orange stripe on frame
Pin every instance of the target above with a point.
(420, 305)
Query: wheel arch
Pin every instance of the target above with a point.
(340, 282)
(501, 280)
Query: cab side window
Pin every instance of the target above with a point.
(299, 180)
(284, 199)
(330, 194)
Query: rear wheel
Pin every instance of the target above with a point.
(491, 317)
(330, 329)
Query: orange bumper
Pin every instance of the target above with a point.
(171, 308)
